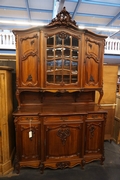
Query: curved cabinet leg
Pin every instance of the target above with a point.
(101, 95)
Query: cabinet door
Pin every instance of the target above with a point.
(93, 61)
(94, 134)
(62, 68)
(28, 51)
(28, 140)
(63, 140)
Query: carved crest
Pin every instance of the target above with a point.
(63, 18)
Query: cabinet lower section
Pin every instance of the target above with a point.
(59, 141)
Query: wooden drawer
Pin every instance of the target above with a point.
(95, 116)
(27, 119)
(63, 118)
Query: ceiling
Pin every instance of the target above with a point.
(91, 14)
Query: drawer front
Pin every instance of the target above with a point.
(27, 119)
(95, 116)
(63, 118)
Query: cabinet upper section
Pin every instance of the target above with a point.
(59, 56)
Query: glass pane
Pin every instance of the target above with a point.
(66, 64)
(50, 65)
(75, 54)
(50, 53)
(67, 41)
(50, 78)
(58, 64)
(58, 52)
(50, 41)
(74, 67)
(58, 79)
(74, 42)
(67, 52)
(58, 40)
(73, 78)
(66, 79)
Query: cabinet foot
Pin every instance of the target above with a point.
(41, 168)
(16, 165)
(102, 159)
(83, 163)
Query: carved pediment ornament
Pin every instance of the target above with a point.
(63, 18)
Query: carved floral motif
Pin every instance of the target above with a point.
(63, 134)
(63, 165)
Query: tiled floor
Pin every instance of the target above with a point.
(92, 171)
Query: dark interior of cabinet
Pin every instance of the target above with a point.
(28, 97)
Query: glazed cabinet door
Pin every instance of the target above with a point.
(93, 63)
(28, 134)
(28, 60)
(62, 59)
(62, 142)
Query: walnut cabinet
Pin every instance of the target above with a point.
(58, 69)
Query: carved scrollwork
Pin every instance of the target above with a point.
(63, 35)
(92, 130)
(63, 18)
(25, 56)
(90, 52)
(63, 134)
(25, 38)
(63, 165)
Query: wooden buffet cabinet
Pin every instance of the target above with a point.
(58, 69)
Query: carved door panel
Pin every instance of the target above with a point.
(94, 137)
(28, 141)
(92, 66)
(63, 140)
(29, 60)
